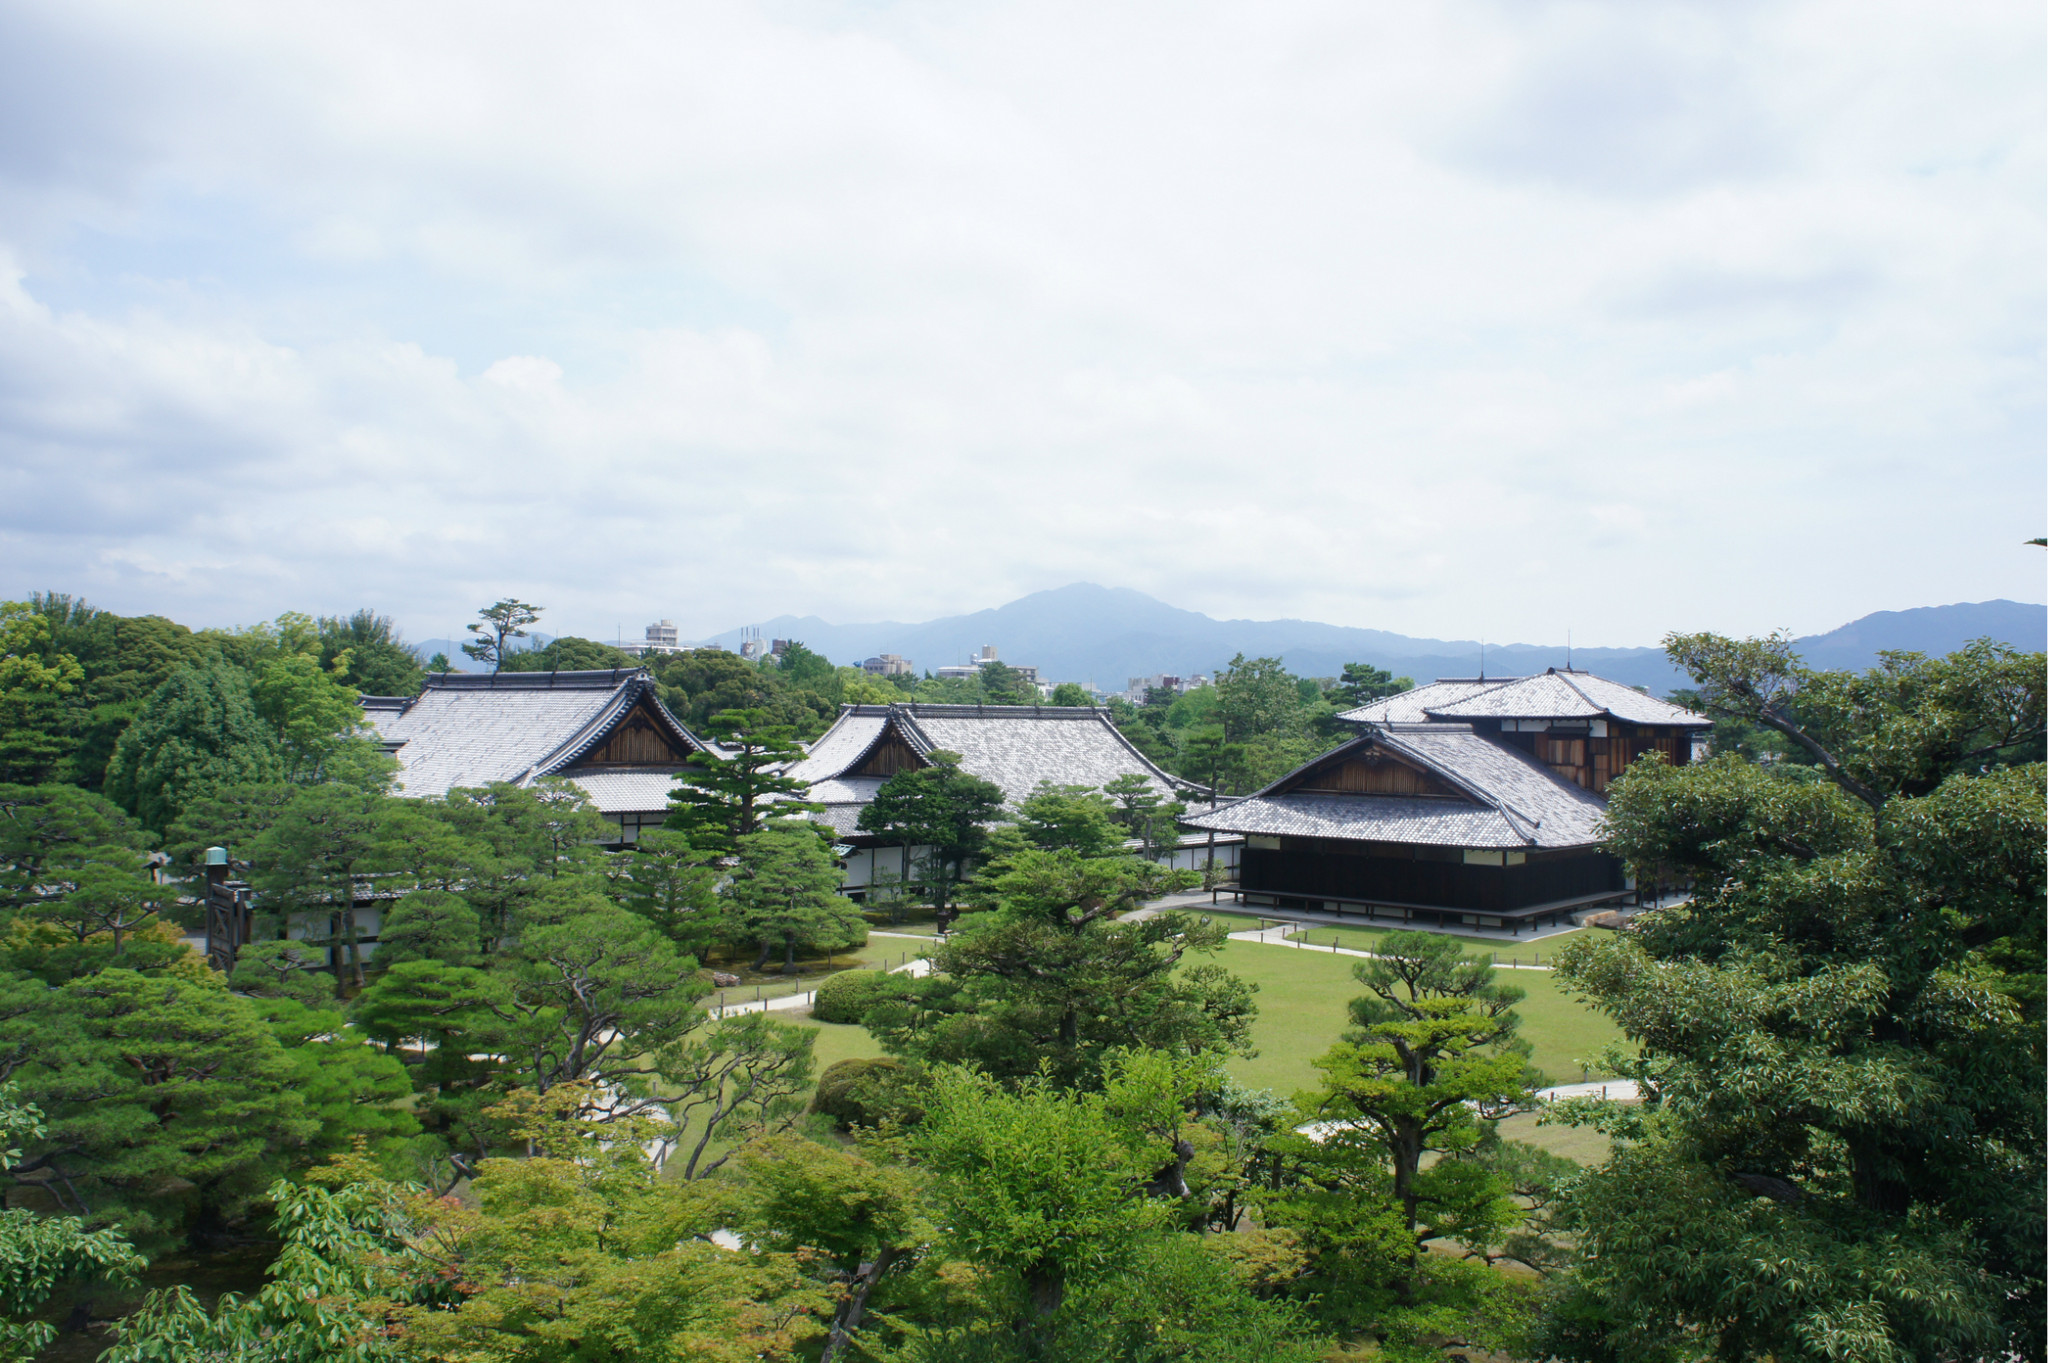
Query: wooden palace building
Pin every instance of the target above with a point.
(1466, 801)
(1018, 747)
(607, 732)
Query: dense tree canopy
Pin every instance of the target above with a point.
(1841, 1030)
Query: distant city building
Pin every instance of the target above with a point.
(752, 646)
(1138, 687)
(661, 638)
(971, 669)
(888, 665)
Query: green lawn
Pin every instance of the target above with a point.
(1368, 939)
(1302, 1002)
(838, 1041)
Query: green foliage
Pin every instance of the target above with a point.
(1842, 1030)
(673, 884)
(1047, 979)
(784, 892)
(1362, 684)
(700, 683)
(581, 1251)
(49, 834)
(847, 996)
(1431, 1058)
(169, 1101)
(719, 803)
(1003, 684)
(314, 714)
(940, 808)
(495, 626)
(365, 651)
(199, 731)
(744, 1076)
(348, 1259)
(33, 685)
(867, 1093)
(569, 654)
(1071, 694)
(310, 860)
(1073, 817)
(39, 1254)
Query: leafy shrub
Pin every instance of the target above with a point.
(847, 996)
(865, 1092)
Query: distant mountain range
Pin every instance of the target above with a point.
(1107, 635)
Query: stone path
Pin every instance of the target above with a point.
(1278, 937)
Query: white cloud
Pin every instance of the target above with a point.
(1458, 319)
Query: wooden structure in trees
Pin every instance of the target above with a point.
(605, 731)
(1468, 801)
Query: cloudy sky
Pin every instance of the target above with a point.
(1455, 319)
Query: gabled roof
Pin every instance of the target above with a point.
(1508, 798)
(1409, 707)
(1015, 746)
(470, 730)
(1558, 693)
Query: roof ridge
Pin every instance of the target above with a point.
(1515, 817)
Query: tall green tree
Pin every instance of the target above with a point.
(784, 893)
(1840, 1034)
(170, 1104)
(1411, 1090)
(942, 809)
(673, 884)
(496, 626)
(312, 863)
(366, 651)
(1077, 817)
(1256, 696)
(34, 683)
(199, 731)
(316, 716)
(1362, 684)
(721, 802)
(41, 1254)
(1049, 981)
(1146, 814)
(1070, 693)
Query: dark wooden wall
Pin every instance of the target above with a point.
(1373, 773)
(637, 742)
(1437, 884)
(890, 756)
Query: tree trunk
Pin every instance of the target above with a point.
(767, 950)
(855, 1305)
(789, 953)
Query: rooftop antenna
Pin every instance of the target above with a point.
(1567, 649)
(1482, 660)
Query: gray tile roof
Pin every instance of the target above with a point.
(1365, 818)
(470, 730)
(1015, 746)
(1409, 706)
(1513, 800)
(635, 790)
(1554, 694)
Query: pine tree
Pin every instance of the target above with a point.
(942, 809)
(785, 892)
(724, 801)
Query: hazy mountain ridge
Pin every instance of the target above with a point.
(1106, 635)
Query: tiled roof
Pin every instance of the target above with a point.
(1544, 697)
(470, 730)
(1408, 707)
(1365, 818)
(1015, 746)
(1554, 694)
(1514, 800)
(632, 790)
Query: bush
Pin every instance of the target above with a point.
(847, 996)
(865, 1092)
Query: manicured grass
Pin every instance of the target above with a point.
(1368, 939)
(1303, 1003)
(838, 1041)
(1580, 1143)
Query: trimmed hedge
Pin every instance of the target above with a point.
(847, 996)
(865, 1092)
